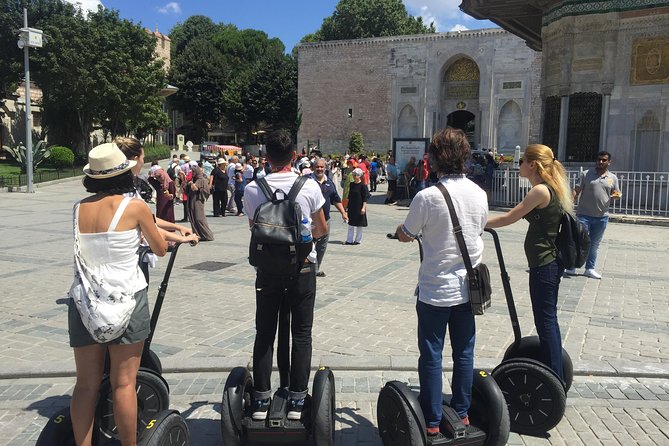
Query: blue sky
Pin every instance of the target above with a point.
(289, 20)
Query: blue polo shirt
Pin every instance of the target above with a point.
(329, 193)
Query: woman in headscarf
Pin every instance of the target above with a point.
(165, 193)
(197, 195)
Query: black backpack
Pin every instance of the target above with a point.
(276, 243)
(171, 172)
(572, 242)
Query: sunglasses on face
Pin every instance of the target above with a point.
(520, 162)
(602, 160)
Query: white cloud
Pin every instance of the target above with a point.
(170, 8)
(445, 14)
(86, 5)
(458, 28)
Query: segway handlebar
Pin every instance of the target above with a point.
(506, 283)
(419, 239)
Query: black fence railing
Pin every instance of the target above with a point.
(39, 176)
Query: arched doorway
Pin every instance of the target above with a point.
(465, 121)
(460, 92)
(510, 126)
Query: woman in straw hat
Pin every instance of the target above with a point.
(109, 286)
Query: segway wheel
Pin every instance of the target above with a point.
(237, 399)
(58, 430)
(150, 360)
(529, 347)
(399, 416)
(323, 407)
(152, 398)
(534, 395)
(488, 410)
(168, 428)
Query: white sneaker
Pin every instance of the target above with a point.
(592, 274)
(570, 272)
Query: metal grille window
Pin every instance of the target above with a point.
(585, 114)
(552, 122)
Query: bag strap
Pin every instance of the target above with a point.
(297, 186)
(264, 187)
(457, 229)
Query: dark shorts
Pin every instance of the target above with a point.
(137, 331)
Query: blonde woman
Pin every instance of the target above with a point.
(543, 206)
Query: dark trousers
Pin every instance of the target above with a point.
(373, 179)
(238, 201)
(186, 210)
(392, 191)
(321, 246)
(544, 287)
(220, 201)
(299, 292)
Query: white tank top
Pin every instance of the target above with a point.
(112, 255)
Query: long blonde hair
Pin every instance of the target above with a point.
(552, 173)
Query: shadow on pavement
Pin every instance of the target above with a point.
(50, 405)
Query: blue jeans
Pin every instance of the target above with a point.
(544, 287)
(596, 227)
(432, 323)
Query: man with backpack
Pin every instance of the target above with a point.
(286, 268)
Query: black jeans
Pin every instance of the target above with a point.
(220, 201)
(299, 292)
(238, 201)
(392, 188)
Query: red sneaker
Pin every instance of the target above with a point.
(465, 420)
(432, 431)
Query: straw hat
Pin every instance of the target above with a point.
(106, 161)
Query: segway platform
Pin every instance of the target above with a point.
(277, 428)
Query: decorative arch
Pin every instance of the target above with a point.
(408, 123)
(509, 126)
(647, 143)
(461, 80)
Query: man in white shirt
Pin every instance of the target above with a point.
(298, 291)
(443, 296)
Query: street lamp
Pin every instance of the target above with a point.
(28, 38)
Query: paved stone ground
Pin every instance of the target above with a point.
(364, 322)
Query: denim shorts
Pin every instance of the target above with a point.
(137, 331)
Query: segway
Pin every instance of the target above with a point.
(317, 422)
(156, 424)
(535, 395)
(401, 421)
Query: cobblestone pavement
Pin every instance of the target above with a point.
(616, 328)
(600, 411)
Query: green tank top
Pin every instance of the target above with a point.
(544, 223)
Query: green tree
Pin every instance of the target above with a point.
(356, 19)
(11, 62)
(356, 143)
(199, 73)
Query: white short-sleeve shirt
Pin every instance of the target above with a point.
(441, 278)
(310, 197)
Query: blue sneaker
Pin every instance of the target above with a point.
(260, 409)
(295, 409)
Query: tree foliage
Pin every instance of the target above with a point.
(356, 143)
(229, 76)
(98, 70)
(357, 19)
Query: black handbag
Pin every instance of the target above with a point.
(478, 278)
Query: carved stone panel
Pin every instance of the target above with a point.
(650, 61)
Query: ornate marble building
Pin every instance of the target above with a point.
(486, 82)
(604, 77)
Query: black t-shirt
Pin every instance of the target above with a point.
(220, 180)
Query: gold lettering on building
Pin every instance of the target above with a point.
(650, 61)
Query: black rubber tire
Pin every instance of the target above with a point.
(529, 347)
(171, 430)
(535, 397)
(58, 430)
(237, 399)
(488, 410)
(152, 398)
(396, 421)
(323, 407)
(151, 361)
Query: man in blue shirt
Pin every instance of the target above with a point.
(331, 198)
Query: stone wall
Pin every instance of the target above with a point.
(376, 79)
